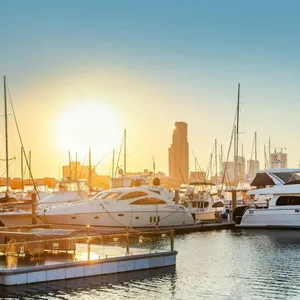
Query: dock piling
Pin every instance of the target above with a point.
(172, 239)
(33, 208)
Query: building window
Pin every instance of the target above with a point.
(150, 219)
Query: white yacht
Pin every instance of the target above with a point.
(120, 207)
(205, 207)
(203, 201)
(283, 210)
(65, 191)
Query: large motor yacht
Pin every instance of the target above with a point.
(283, 210)
(120, 207)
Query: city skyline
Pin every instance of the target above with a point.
(62, 60)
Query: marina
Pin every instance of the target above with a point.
(149, 150)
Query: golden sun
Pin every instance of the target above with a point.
(88, 123)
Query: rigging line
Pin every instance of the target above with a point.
(94, 169)
(251, 156)
(209, 165)
(82, 166)
(144, 225)
(117, 166)
(228, 153)
(197, 161)
(21, 141)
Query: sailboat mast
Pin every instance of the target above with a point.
(76, 174)
(265, 153)
(22, 172)
(90, 169)
(124, 151)
(237, 130)
(255, 137)
(221, 160)
(29, 165)
(235, 157)
(6, 134)
(113, 164)
(216, 159)
(270, 164)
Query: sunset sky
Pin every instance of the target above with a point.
(79, 72)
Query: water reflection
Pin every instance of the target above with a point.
(241, 264)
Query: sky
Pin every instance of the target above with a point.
(79, 72)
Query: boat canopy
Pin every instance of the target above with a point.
(275, 176)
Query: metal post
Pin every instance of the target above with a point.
(172, 239)
(33, 208)
(127, 241)
(89, 248)
(233, 200)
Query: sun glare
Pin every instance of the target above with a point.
(88, 123)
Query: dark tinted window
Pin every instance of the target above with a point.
(133, 195)
(288, 200)
(148, 201)
(287, 177)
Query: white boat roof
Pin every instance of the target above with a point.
(280, 170)
(278, 189)
(71, 180)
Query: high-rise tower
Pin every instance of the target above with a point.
(179, 154)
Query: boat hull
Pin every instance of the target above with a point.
(205, 216)
(17, 219)
(271, 218)
(121, 219)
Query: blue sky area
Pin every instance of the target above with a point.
(185, 59)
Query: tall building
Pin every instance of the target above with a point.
(197, 176)
(179, 154)
(278, 160)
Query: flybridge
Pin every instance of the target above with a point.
(278, 176)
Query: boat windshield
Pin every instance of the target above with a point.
(287, 177)
(40, 188)
(121, 182)
(71, 186)
(107, 195)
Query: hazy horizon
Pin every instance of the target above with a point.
(80, 72)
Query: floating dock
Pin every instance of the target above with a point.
(56, 254)
(68, 270)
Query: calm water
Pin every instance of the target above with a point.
(211, 265)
